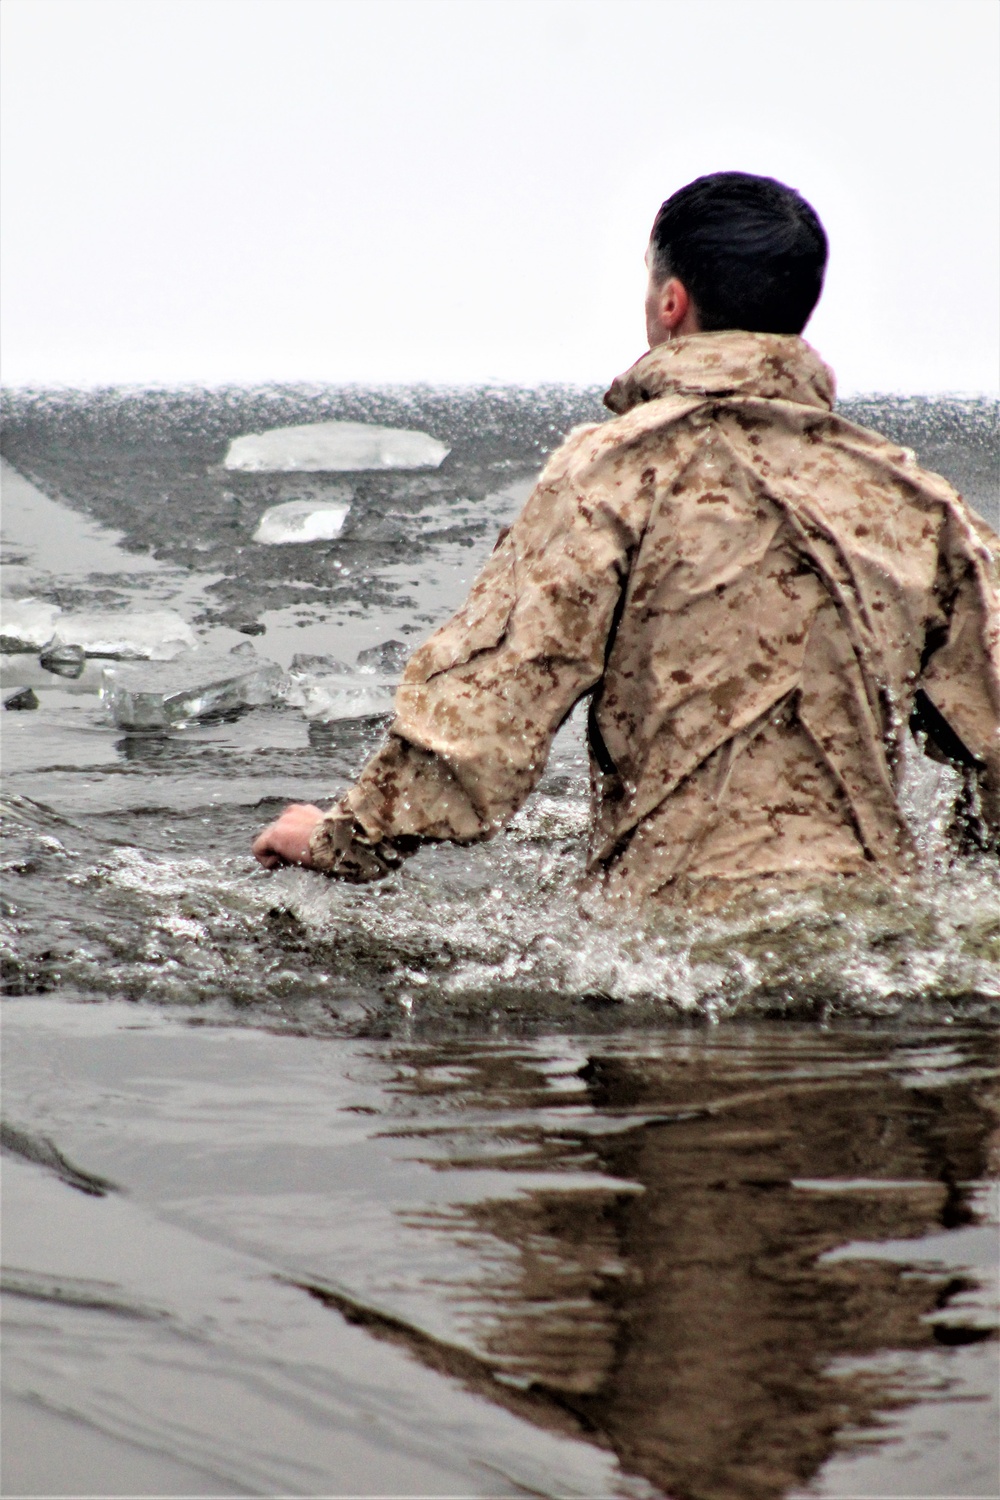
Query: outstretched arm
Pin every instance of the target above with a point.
(481, 700)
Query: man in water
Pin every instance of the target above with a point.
(758, 596)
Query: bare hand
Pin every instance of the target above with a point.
(286, 840)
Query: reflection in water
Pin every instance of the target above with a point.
(672, 1301)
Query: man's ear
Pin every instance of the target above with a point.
(674, 305)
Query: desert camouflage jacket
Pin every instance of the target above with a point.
(757, 595)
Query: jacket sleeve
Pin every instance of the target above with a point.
(961, 677)
(481, 700)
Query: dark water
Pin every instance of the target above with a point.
(451, 1185)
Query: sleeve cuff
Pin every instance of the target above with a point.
(341, 847)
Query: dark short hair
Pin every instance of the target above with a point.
(750, 251)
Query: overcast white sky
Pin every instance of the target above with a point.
(457, 190)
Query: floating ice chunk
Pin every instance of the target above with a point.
(330, 698)
(302, 521)
(202, 685)
(23, 698)
(32, 625)
(26, 624)
(324, 447)
(64, 661)
(390, 657)
(158, 636)
(245, 650)
(343, 694)
(304, 662)
(327, 690)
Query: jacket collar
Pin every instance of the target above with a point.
(771, 366)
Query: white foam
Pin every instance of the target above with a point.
(319, 447)
(302, 521)
(159, 635)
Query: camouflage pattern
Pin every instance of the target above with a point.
(752, 589)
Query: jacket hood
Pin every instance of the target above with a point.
(771, 366)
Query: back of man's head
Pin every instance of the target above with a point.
(750, 251)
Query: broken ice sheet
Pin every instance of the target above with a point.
(304, 663)
(23, 698)
(390, 657)
(63, 661)
(202, 685)
(159, 635)
(324, 447)
(26, 624)
(302, 521)
(327, 690)
(338, 694)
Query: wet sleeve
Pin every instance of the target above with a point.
(961, 677)
(481, 700)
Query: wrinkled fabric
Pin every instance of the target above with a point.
(752, 590)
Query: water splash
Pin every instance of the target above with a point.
(501, 937)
